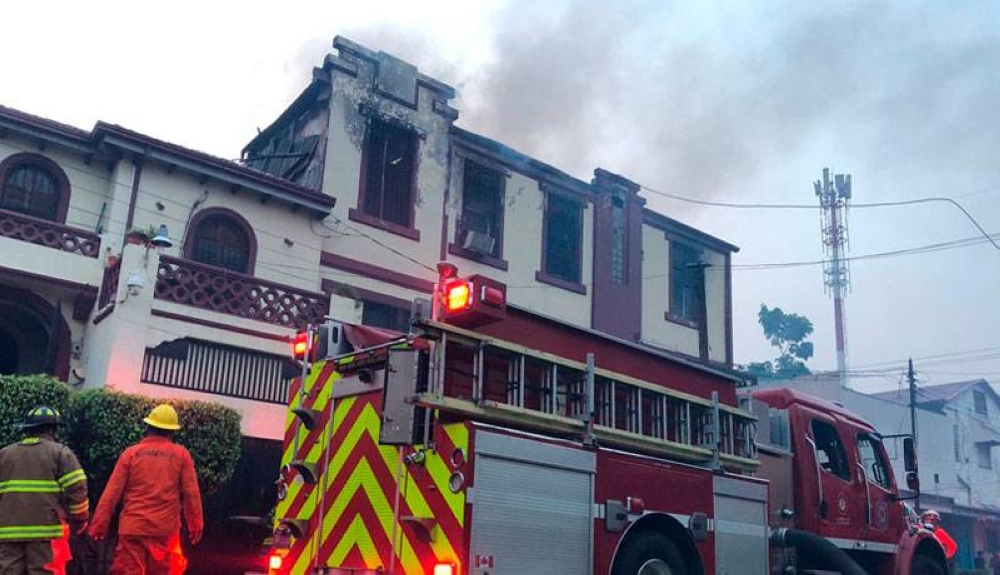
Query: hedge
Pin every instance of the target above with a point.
(19, 394)
(100, 424)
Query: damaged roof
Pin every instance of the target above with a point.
(106, 137)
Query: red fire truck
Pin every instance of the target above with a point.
(492, 441)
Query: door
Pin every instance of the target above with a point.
(532, 506)
(835, 503)
(885, 515)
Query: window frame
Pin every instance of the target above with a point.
(218, 212)
(358, 213)
(979, 398)
(18, 160)
(543, 275)
(455, 247)
(879, 453)
(843, 471)
(671, 314)
(986, 448)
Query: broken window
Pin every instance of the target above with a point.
(686, 283)
(480, 228)
(563, 238)
(389, 173)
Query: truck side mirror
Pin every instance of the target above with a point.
(913, 482)
(909, 455)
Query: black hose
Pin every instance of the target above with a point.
(819, 551)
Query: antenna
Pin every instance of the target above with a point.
(834, 199)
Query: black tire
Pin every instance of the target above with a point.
(924, 565)
(650, 553)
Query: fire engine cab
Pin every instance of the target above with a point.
(492, 441)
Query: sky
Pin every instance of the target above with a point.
(728, 102)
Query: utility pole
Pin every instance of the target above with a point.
(912, 378)
(834, 197)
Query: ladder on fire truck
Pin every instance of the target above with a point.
(509, 384)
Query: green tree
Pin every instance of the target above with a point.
(788, 333)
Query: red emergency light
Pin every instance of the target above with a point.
(275, 562)
(473, 301)
(300, 345)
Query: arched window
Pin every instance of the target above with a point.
(35, 186)
(221, 238)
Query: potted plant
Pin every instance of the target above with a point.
(140, 235)
(112, 259)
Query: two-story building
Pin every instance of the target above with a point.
(341, 207)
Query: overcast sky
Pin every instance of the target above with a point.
(727, 102)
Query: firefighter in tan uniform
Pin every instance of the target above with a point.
(155, 481)
(41, 487)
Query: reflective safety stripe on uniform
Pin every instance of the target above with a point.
(22, 532)
(79, 508)
(29, 486)
(72, 478)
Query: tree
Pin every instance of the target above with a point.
(788, 333)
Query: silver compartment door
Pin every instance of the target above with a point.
(532, 508)
(741, 546)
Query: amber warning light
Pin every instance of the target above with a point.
(300, 345)
(458, 296)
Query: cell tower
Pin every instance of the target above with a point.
(834, 199)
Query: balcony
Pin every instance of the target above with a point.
(219, 290)
(34, 230)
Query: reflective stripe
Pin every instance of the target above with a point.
(861, 544)
(31, 532)
(30, 441)
(29, 486)
(79, 508)
(72, 478)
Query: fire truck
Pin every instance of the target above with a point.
(493, 441)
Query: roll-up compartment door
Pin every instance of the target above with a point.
(532, 508)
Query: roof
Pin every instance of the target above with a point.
(106, 135)
(936, 396)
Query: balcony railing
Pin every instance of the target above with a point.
(50, 234)
(216, 289)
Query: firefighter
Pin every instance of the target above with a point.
(41, 487)
(932, 521)
(156, 480)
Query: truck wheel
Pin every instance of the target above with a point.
(924, 565)
(650, 553)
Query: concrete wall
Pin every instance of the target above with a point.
(667, 334)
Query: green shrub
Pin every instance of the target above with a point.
(20, 393)
(104, 423)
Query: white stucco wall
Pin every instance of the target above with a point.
(656, 329)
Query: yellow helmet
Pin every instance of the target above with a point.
(163, 416)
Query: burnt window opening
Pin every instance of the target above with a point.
(221, 241)
(389, 172)
(686, 282)
(377, 314)
(619, 241)
(480, 228)
(31, 190)
(563, 237)
(830, 450)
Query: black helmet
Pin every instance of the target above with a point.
(41, 416)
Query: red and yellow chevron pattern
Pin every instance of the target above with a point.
(356, 495)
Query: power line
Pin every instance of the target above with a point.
(946, 200)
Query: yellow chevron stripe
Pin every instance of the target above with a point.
(458, 433)
(356, 536)
(322, 398)
(363, 478)
(418, 505)
(440, 472)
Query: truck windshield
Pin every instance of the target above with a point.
(870, 452)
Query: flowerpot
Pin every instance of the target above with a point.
(112, 261)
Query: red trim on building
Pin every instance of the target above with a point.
(368, 270)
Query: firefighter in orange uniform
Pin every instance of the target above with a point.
(41, 485)
(932, 519)
(156, 480)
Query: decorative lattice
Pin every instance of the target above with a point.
(50, 234)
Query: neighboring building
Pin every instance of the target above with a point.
(341, 207)
(958, 425)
